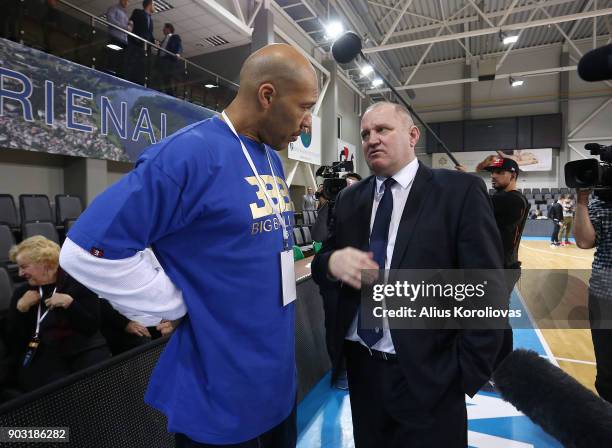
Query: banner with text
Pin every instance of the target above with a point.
(49, 104)
(527, 159)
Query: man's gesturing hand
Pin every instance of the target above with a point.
(346, 265)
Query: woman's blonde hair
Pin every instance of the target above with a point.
(37, 249)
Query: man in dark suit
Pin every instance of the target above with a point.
(142, 26)
(408, 386)
(168, 62)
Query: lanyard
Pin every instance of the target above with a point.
(262, 184)
(39, 319)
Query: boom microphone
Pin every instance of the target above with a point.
(596, 65)
(346, 48)
(554, 400)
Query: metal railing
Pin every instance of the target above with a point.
(66, 30)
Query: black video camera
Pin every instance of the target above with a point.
(592, 173)
(333, 183)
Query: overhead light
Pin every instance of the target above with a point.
(510, 39)
(333, 29)
(210, 86)
(377, 82)
(366, 70)
(114, 47)
(516, 82)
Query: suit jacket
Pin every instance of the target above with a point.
(447, 223)
(143, 27)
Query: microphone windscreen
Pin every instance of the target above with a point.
(554, 400)
(346, 47)
(596, 65)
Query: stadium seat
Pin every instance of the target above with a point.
(6, 291)
(46, 229)
(545, 190)
(555, 191)
(298, 239)
(526, 191)
(67, 208)
(7, 240)
(35, 207)
(307, 237)
(8, 211)
(535, 190)
(538, 197)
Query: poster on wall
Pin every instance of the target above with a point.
(49, 104)
(346, 151)
(527, 159)
(307, 147)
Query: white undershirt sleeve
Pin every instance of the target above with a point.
(137, 286)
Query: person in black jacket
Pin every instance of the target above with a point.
(556, 214)
(53, 322)
(168, 62)
(142, 26)
(408, 386)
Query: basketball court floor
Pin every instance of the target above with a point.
(324, 416)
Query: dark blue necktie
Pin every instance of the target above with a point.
(379, 238)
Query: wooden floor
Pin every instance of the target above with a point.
(561, 293)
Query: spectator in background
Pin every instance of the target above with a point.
(168, 63)
(117, 15)
(510, 208)
(53, 323)
(538, 215)
(309, 202)
(142, 26)
(556, 214)
(568, 220)
(352, 178)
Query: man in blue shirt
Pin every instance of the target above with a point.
(211, 216)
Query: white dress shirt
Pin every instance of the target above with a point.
(400, 190)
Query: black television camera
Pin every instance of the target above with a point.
(592, 173)
(333, 183)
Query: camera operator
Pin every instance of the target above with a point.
(593, 228)
(320, 229)
(320, 232)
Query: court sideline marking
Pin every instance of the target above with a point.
(537, 331)
(556, 253)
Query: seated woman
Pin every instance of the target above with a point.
(53, 323)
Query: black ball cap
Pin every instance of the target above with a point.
(346, 47)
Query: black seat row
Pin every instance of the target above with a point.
(301, 236)
(37, 208)
(310, 216)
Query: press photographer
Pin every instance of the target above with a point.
(332, 185)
